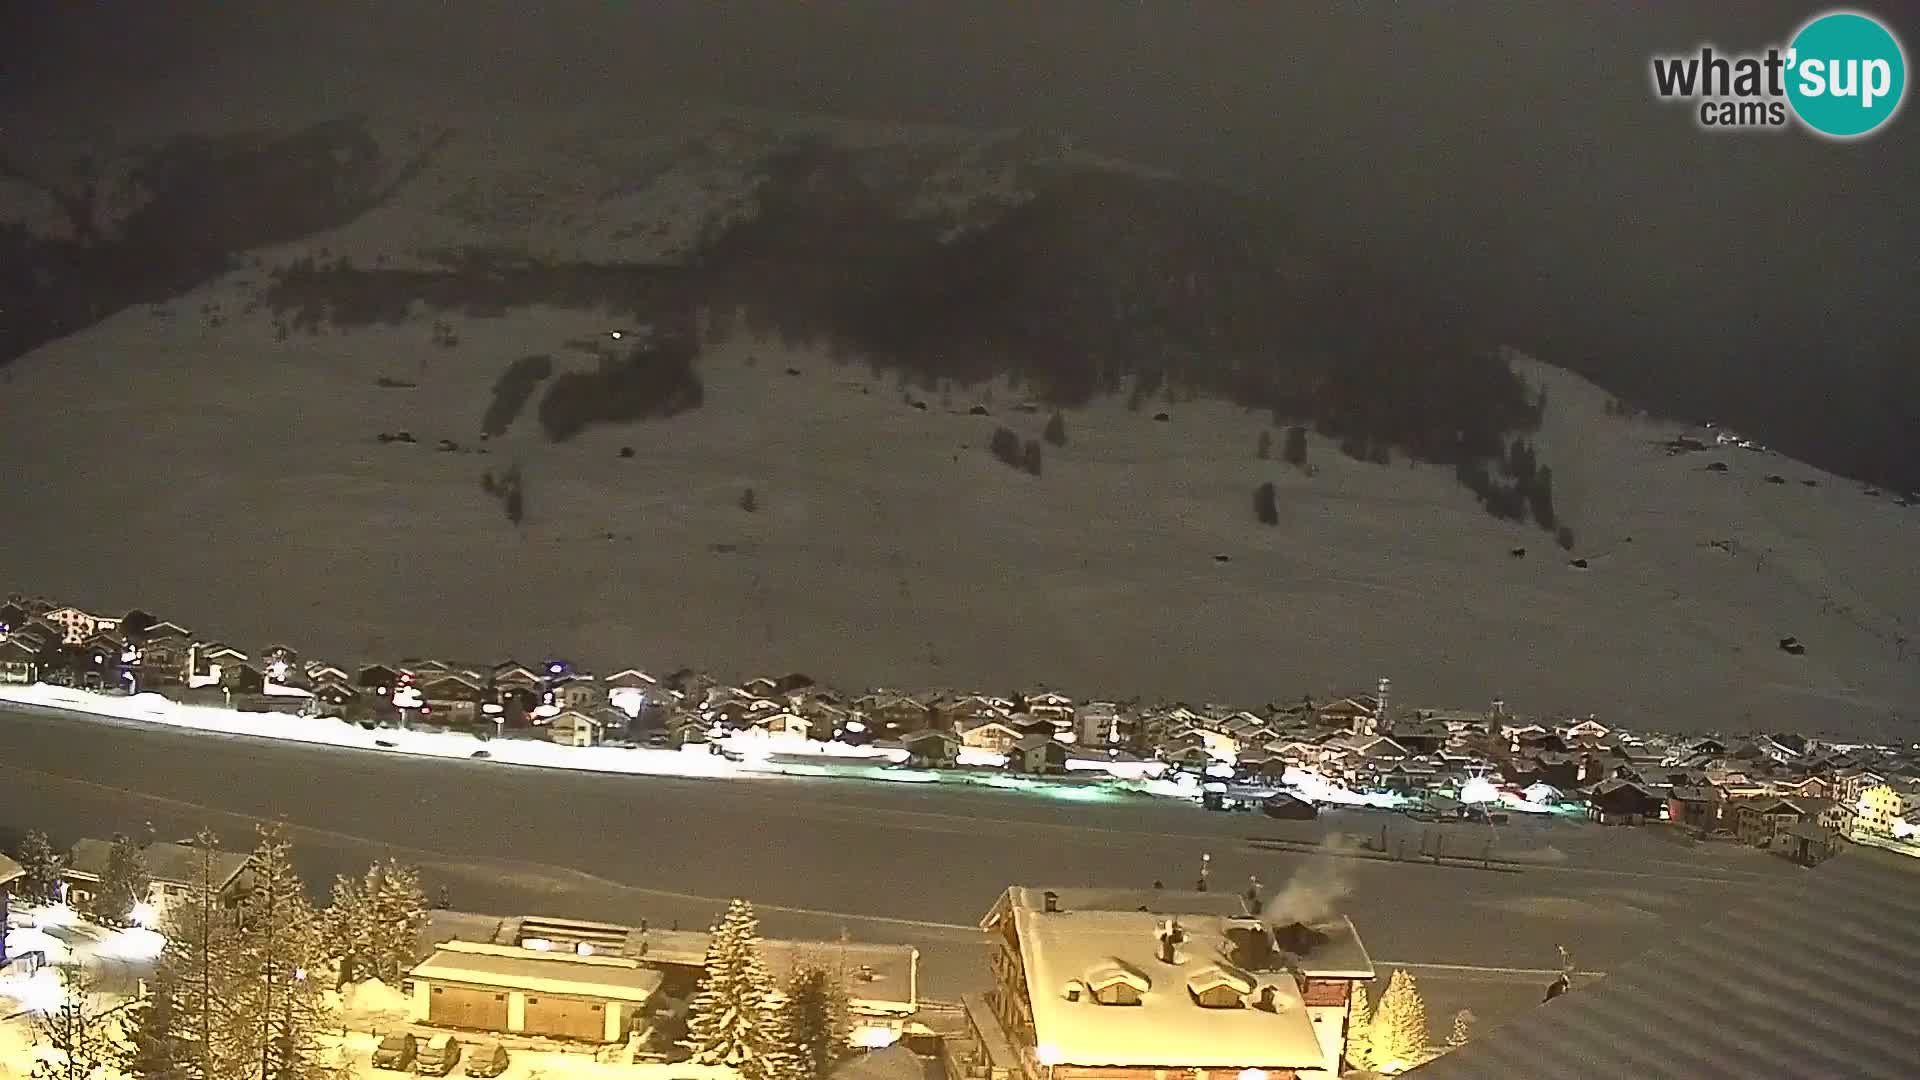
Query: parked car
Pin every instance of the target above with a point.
(487, 1059)
(438, 1057)
(396, 1051)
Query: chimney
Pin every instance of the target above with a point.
(1266, 999)
(1170, 937)
(1051, 900)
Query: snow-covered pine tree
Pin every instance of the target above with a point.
(1400, 1024)
(347, 929)
(197, 969)
(123, 883)
(1415, 1038)
(729, 1021)
(817, 1018)
(276, 1010)
(83, 1033)
(40, 869)
(1462, 1029)
(398, 915)
(1359, 1028)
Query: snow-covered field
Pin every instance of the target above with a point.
(233, 483)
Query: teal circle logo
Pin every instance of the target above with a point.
(1846, 74)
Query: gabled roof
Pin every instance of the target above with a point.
(1214, 975)
(175, 864)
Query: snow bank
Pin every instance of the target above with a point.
(756, 756)
(152, 708)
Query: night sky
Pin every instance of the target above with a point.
(1510, 158)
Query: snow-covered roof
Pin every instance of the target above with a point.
(1156, 901)
(1168, 1028)
(880, 979)
(1332, 949)
(173, 864)
(612, 977)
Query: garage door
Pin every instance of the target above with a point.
(566, 1018)
(464, 1007)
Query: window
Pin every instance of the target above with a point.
(533, 1001)
(1218, 997)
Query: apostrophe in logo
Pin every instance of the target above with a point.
(1846, 74)
(1842, 76)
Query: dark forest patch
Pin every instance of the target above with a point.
(655, 379)
(512, 390)
(206, 200)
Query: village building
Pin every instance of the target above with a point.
(76, 626)
(1038, 753)
(19, 663)
(599, 982)
(511, 989)
(993, 736)
(171, 869)
(931, 748)
(1702, 808)
(1623, 802)
(1094, 984)
(1880, 806)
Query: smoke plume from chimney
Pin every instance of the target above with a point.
(1313, 894)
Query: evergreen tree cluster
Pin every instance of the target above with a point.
(739, 1018)
(1522, 487)
(235, 995)
(370, 926)
(1007, 446)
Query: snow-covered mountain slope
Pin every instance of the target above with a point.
(191, 458)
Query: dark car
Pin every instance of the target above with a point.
(438, 1057)
(396, 1051)
(487, 1059)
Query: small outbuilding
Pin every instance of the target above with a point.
(513, 989)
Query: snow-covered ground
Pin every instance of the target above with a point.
(747, 756)
(233, 483)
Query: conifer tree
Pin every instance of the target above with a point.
(153, 1047)
(1359, 1028)
(818, 1019)
(188, 1038)
(1400, 1024)
(123, 884)
(276, 1010)
(1462, 1028)
(347, 929)
(399, 914)
(730, 1021)
(40, 869)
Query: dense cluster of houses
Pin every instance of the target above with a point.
(1772, 790)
